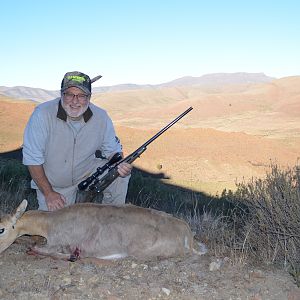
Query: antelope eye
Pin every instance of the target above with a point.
(2, 230)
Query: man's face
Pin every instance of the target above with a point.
(75, 102)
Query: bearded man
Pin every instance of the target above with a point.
(65, 140)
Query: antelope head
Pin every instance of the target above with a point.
(8, 230)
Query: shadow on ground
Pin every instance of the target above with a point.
(152, 190)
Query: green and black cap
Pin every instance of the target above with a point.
(77, 79)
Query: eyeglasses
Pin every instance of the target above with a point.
(80, 97)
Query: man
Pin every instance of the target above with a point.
(60, 142)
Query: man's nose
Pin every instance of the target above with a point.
(75, 99)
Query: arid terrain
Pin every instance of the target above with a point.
(234, 132)
(196, 277)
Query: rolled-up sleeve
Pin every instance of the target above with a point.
(34, 140)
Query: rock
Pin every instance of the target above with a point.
(215, 265)
(92, 280)
(133, 265)
(202, 248)
(67, 280)
(256, 297)
(166, 291)
(256, 274)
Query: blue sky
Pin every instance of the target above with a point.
(146, 41)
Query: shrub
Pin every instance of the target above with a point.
(14, 185)
(271, 228)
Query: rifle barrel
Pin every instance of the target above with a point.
(107, 179)
(166, 127)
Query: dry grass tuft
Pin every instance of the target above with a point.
(14, 185)
(273, 218)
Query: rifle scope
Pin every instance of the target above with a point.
(100, 170)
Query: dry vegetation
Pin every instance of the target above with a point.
(259, 222)
(230, 167)
(233, 132)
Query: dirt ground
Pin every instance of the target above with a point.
(25, 276)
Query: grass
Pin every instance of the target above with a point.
(260, 220)
(147, 191)
(212, 188)
(273, 218)
(14, 185)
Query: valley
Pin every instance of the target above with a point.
(233, 133)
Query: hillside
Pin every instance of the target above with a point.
(233, 132)
(268, 109)
(14, 115)
(207, 159)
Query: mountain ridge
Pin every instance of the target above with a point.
(209, 80)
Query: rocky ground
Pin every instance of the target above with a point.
(25, 276)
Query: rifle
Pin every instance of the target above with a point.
(97, 185)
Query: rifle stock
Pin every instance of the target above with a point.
(99, 185)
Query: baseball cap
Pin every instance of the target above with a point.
(77, 79)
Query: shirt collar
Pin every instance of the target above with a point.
(61, 113)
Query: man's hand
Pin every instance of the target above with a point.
(124, 169)
(55, 201)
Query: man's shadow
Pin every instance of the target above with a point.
(156, 191)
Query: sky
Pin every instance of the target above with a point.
(145, 41)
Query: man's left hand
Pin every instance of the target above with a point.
(124, 169)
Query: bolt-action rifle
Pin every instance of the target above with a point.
(96, 185)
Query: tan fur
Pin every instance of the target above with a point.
(101, 231)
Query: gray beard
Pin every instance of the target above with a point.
(73, 115)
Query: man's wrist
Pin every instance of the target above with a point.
(47, 191)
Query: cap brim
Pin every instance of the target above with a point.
(77, 86)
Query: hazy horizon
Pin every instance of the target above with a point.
(97, 85)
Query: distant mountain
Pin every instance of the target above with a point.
(122, 87)
(23, 92)
(217, 79)
(220, 79)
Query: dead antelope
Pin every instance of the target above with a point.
(99, 231)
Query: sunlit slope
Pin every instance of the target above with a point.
(14, 115)
(208, 159)
(269, 109)
(233, 132)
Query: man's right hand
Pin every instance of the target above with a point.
(55, 201)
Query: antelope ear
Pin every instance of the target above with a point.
(19, 211)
